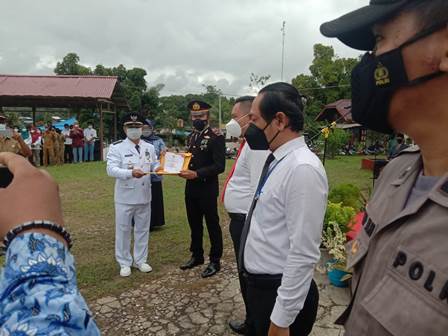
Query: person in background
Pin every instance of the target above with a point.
(38, 290)
(89, 142)
(202, 188)
(399, 147)
(49, 143)
(68, 151)
(157, 208)
(282, 233)
(130, 161)
(57, 147)
(399, 258)
(36, 144)
(11, 141)
(77, 136)
(239, 188)
(61, 146)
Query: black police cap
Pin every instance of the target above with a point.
(355, 28)
(198, 106)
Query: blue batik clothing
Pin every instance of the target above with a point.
(38, 290)
(159, 146)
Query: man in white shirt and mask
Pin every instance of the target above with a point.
(240, 185)
(282, 234)
(130, 161)
(89, 142)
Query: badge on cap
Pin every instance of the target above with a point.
(196, 107)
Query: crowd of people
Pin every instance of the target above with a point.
(275, 195)
(53, 146)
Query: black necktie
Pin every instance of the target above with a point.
(246, 227)
(137, 147)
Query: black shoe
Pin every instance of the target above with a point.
(193, 262)
(211, 269)
(238, 327)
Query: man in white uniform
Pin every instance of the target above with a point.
(130, 161)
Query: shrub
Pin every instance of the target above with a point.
(342, 215)
(347, 194)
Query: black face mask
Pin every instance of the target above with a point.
(199, 124)
(376, 78)
(256, 139)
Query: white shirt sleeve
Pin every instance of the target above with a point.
(114, 165)
(305, 199)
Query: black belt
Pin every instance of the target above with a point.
(237, 216)
(263, 281)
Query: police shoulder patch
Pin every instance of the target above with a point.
(117, 142)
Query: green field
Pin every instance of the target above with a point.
(87, 196)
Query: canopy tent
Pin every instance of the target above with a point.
(104, 94)
(60, 124)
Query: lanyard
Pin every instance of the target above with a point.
(265, 179)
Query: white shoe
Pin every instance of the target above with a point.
(125, 271)
(145, 268)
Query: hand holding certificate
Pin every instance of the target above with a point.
(173, 164)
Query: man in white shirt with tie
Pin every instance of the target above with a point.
(240, 185)
(282, 234)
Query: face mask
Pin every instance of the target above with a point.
(199, 124)
(256, 139)
(233, 128)
(90, 126)
(134, 133)
(147, 133)
(375, 80)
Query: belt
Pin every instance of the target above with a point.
(237, 216)
(263, 281)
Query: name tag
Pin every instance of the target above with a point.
(129, 155)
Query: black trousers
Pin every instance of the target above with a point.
(261, 296)
(157, 209)
(68, 154)
(236, 228)
(199, 207)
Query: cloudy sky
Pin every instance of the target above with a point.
(181, 43)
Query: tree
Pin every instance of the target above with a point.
(329, 81)
(70, 66)
(258, 81)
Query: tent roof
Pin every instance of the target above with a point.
(60, 91)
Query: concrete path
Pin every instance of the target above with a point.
(182, 303)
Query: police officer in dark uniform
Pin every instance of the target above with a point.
(202, 188)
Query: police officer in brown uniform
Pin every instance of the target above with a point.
(400, 282)
(49, 141)
(202, 188)
(12, 144)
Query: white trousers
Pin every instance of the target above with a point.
(124, 213)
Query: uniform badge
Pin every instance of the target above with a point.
(196, 107)
(355, 247)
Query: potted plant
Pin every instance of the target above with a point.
(338, 221)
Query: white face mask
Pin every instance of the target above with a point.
(147, 133)
(90, 126)
(233, 128)
(134, 133)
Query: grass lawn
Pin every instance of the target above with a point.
(87, 196)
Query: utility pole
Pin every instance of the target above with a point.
(220, 115)
(283, 30)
